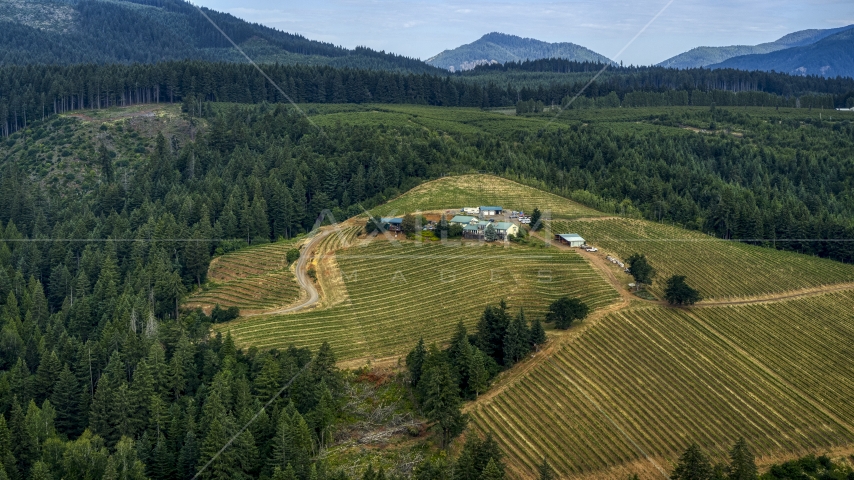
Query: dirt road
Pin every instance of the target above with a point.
(305, 282)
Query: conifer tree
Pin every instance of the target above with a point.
(693, 465)
(491, 330)
(281, 449)
(441, 398)
(124, 462)
(269, 379)
(8, 464)
(492, 472)
(545, 470)
(188, 457)
(197, 254)
(301, 445)
(284, 474)
(160, 465)
(141, 391)
(415, 362)
(180, 366)
(121, 410)
(25, 447)
(323, 416)
(458, 351)
(40, 421)
(46, 375)
(478, 376)
(742, 465)
(100, 419)
(224, 466)
(538, 334)
(40, 471)
(516, 340)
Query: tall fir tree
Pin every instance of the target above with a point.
(415, 362)
(538, 334)
(693, 465)
(441, 397)
(742, 465)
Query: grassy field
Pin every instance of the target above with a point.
(451, 120)
(397, 293)
(477, 190)
(254, 279)
(743, 122)
(635, 389)
(718, 268)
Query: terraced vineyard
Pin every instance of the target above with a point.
(718, 268)
(635, 389)
(817, 333)
(399, 292)
(254, 279)
(477, 190)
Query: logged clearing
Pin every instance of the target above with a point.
(636, 388)
(254, 279)
(398, 292)
(480, 190)
(719, 269)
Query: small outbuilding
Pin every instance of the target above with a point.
(392, 224)
(491, 211)
(571, 239)
(471, 210)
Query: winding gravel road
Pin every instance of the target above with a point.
(303, 279)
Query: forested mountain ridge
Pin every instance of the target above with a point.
(828, 57)
(705, 56)
(500, 48)
(149, 31)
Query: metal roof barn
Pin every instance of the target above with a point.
(571, 239)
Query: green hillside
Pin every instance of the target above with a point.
(453, 193)
(150, 31)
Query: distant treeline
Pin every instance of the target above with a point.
(672, 98)
(30, 92)
(633, 78)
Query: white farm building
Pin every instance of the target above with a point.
(571, 239)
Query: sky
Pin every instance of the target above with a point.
(423, 28)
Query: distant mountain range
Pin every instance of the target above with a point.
(807, 52)
(147, 31)
(501, 48)
(829, 57)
